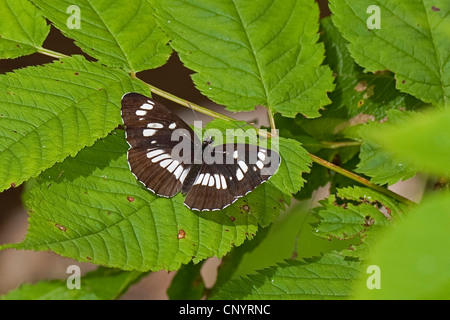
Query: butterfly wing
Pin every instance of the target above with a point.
(242, 169)
(149, 128)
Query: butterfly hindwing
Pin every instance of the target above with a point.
(220, 184)
(149, 127)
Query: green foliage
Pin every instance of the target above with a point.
(368, 106)
(113, 41)
(188, 283)
(413, 258)
(23, 29)
(412, 42)
(101, 284)
(357, 213)
(358, 92)
(53, 111)
(423, 140)
(327, 277)
(91, 208)
(375, 161)
(246, 55)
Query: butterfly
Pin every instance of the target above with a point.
(155, 157)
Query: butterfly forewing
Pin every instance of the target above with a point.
(149, 127)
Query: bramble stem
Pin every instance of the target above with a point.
(360, 179)
(188, 104)
(51, 53)
(271, 120)
(338, 144)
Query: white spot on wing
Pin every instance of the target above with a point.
(205, 179)
(243, 166)
(183, 175)
(178, 172)
(259, 164)
(147, 106)
(235, 154)
(199, 179)
(239, 174)
(155, 125)
(211, 181)
(165, 163)
(161, 157)
(223, 181)
(262, 156)
(154, 153)
(216, 176)
(173, 125)
(148, 132)
(173, 165)
(141, 112)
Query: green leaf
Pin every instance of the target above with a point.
(188, 283)
(246, 54)
(50, 112)
(22, 29)
(358, 91)
(231, 262)
(101, 284)
(423, 140)
(357, 212)
(413, 256)
(375, 161)
(421, 66)
(290, 237)
(92, 208)
(118, 34)
(328, 277)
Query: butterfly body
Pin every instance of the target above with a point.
(168, 158)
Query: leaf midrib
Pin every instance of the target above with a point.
(252, 50)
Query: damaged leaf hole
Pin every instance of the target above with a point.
(181, 234)
(60, 227)
(343, 203)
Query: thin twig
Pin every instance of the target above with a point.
(360, 179)
(51, 53)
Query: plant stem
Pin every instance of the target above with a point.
(188, 104)
(271, 120)
(51, 53)
(361, 180)
(338, 144)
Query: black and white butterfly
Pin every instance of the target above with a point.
(150, 130)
